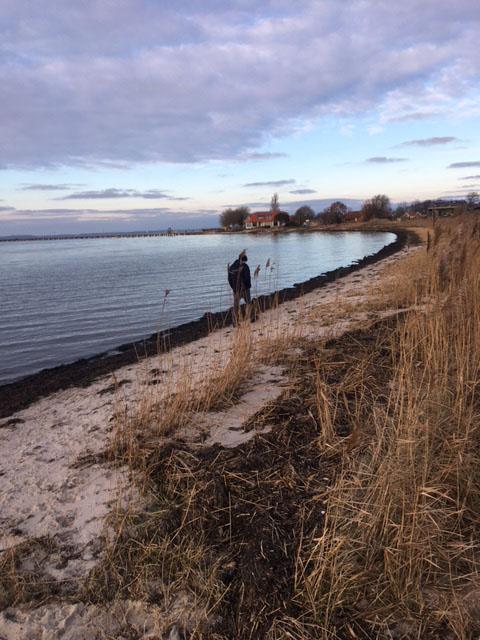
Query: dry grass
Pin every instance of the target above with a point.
(158, 554)
(168, 407)
(22, 573)
(404, 284)
(399, 556)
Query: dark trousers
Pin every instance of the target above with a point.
(237, 297)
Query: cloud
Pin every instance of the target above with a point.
(270, 183)
(466, 188)
(318, 204)
(429, 142)
(98, 195)
(108, 194)
(48, 187)
(64, 214)
(384, 160)
(43, 221)
(154, 194)
(264, 156)
(464, 165)
(302, 191)
(460, 195)
(414, 115)
(86, 85)
(475, 177)
(137, 212)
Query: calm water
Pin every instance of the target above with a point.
(69, 299)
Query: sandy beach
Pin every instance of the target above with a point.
(58, 484)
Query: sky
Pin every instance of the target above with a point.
(148, 114)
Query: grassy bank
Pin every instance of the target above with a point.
(399, 553)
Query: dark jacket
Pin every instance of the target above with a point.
(239, 276)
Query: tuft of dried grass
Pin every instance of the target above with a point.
(169, 407)
(404, 283)
(22, 576)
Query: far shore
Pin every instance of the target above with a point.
(371, 225)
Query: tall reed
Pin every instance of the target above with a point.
(400, 551)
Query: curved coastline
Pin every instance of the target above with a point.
(19, 394)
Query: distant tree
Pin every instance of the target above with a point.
(232, 218)
(243, 213)
(377, 207)
(382, 205)
(302, 214)
(283, 217)
(401, 209)
(274, 204)
(334, 213)
(367, 211)
(473, 200)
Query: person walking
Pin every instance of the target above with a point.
(240, 282)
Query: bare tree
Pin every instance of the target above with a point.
(335, 213)
(282, 217)
(234, 218)
(274, 204)
(473, 200)
(302, 214)
(377, 207)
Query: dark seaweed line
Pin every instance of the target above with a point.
(18, 395)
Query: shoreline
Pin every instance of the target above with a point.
(20, 394)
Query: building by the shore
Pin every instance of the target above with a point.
(266, 219)
(446, 209)
(353, 216)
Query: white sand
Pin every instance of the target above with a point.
(85, 622)
(45, 492)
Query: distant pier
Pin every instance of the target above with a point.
(100, 236)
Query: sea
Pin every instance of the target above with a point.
(62, 300)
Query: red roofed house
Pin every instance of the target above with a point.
(266, 219)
